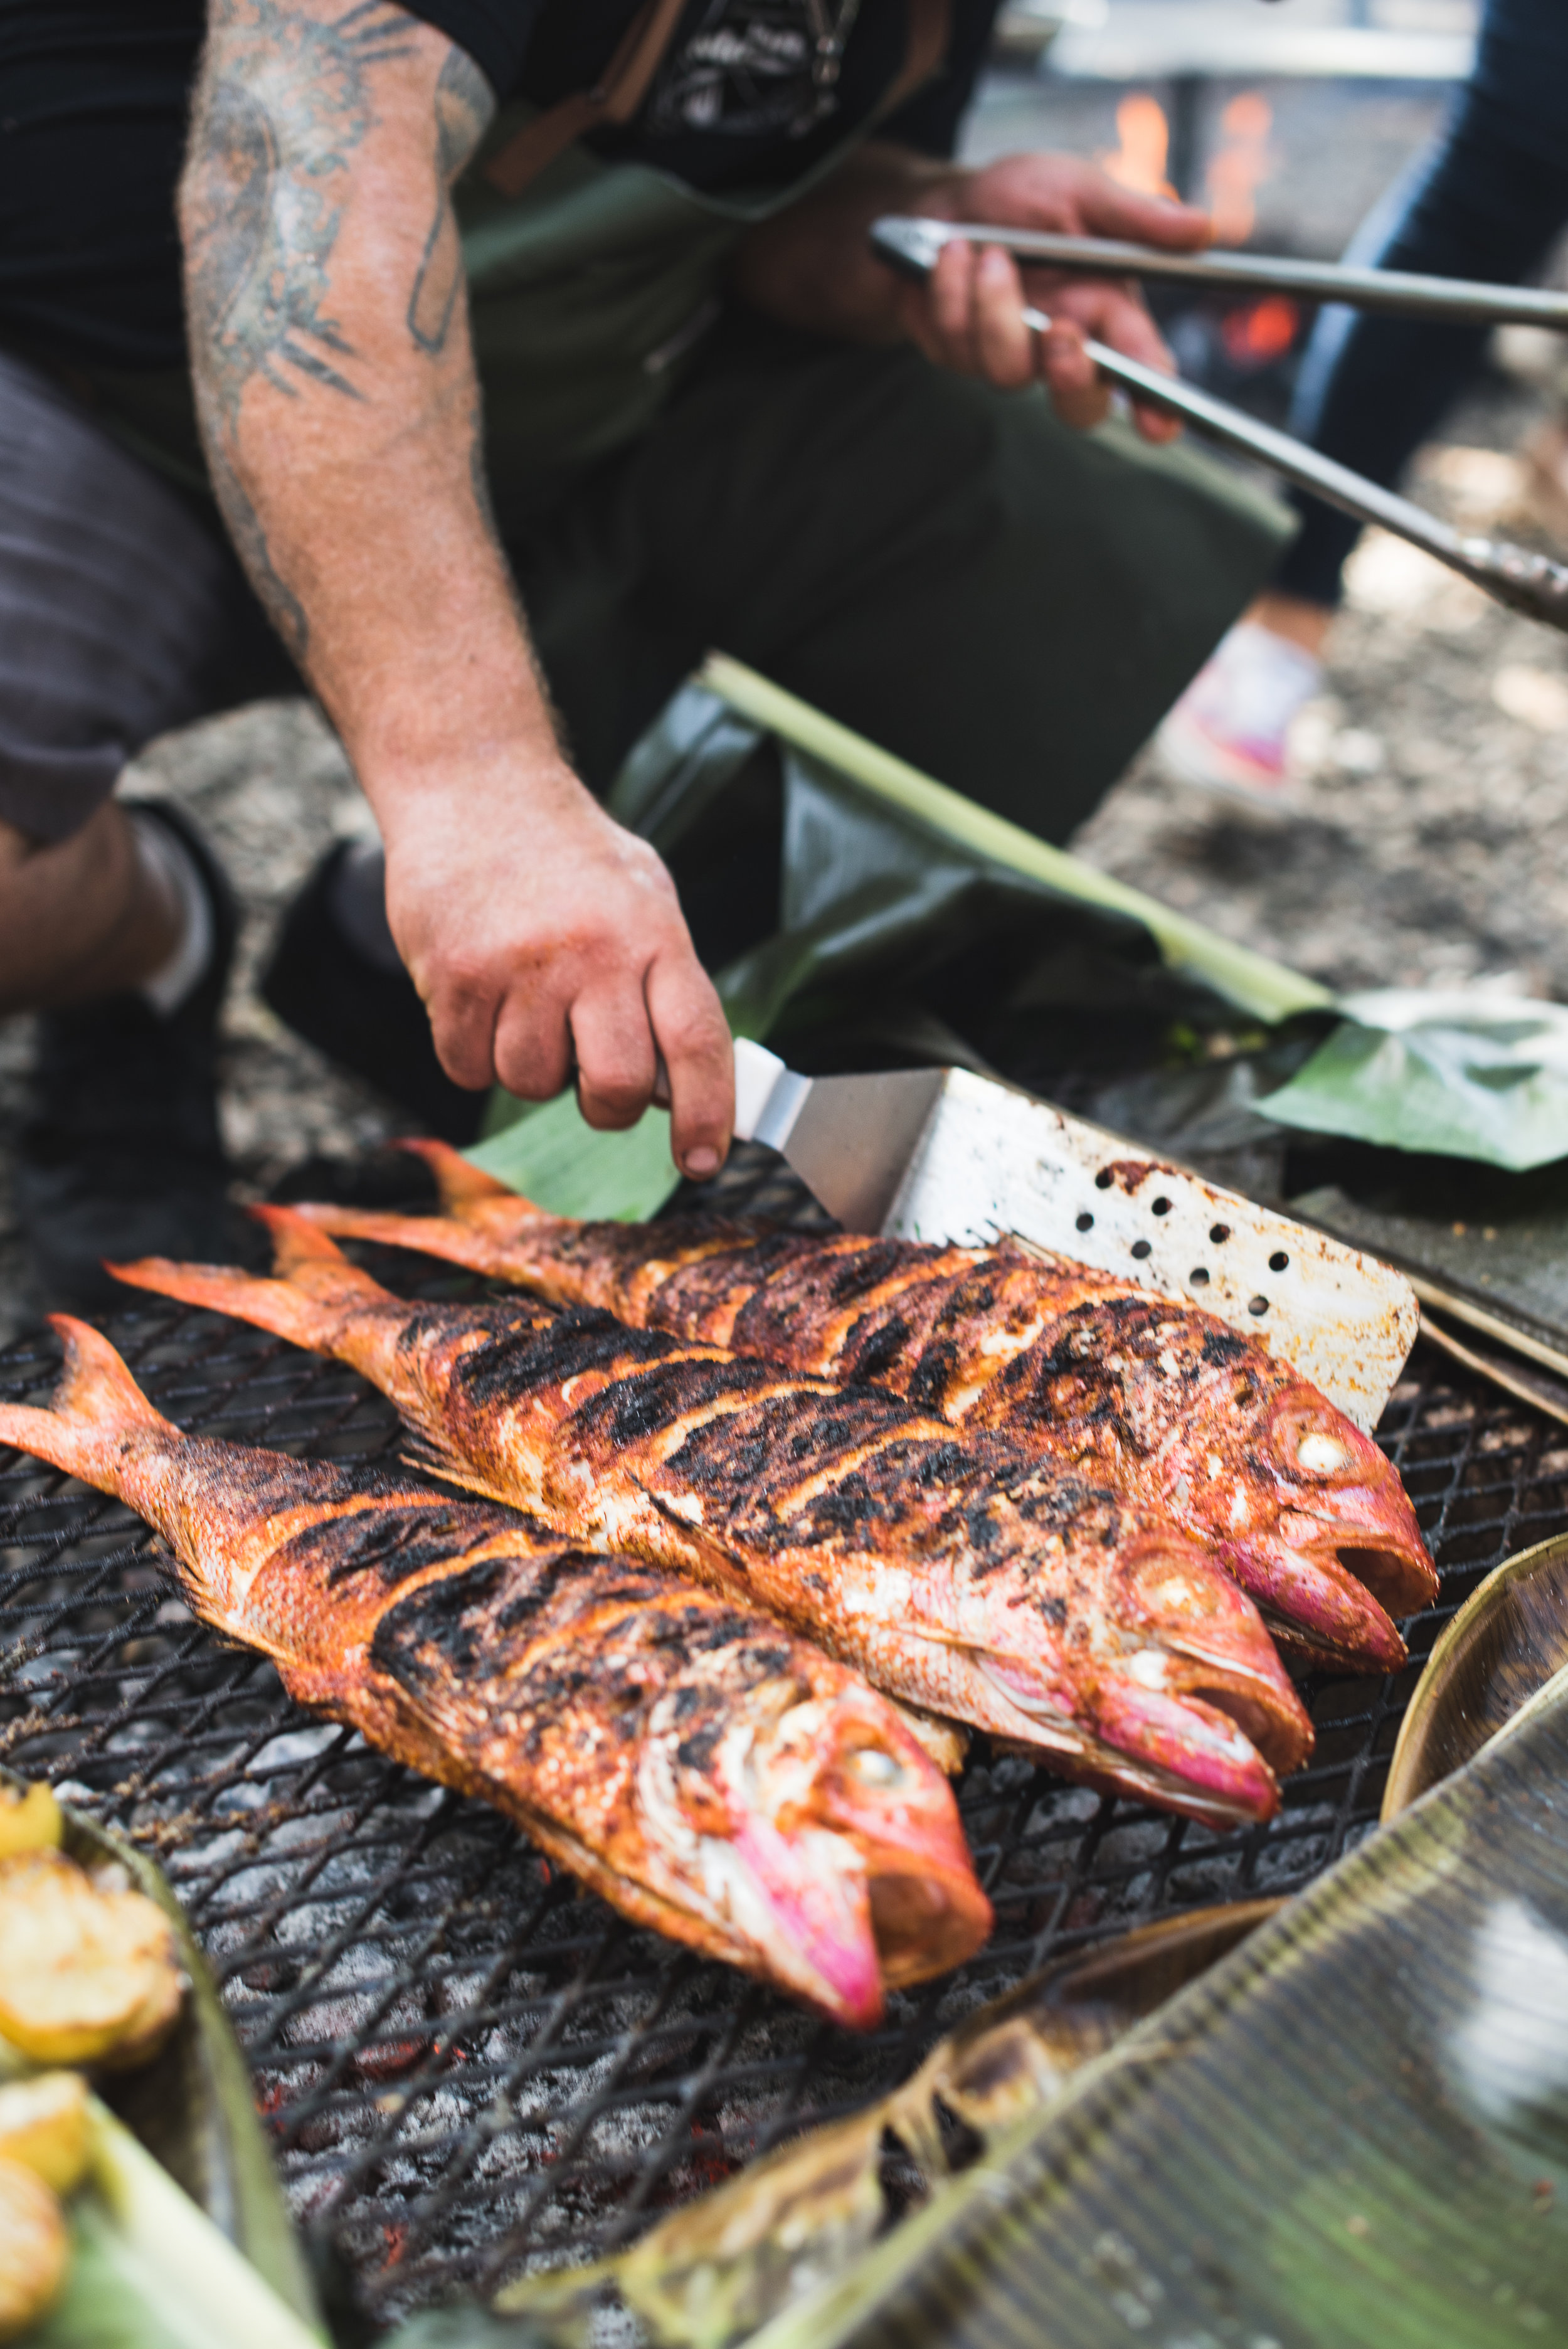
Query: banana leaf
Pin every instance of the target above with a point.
(1354, 2131)
(1507, 1641)
(150, 2271)
(710, 2274)
(1462, 1072)
(875, 879)
(893, 921)
(191, 2109)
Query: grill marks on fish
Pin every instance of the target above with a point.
(1160, 1400)
(924, 1556)
(768, 1467)
(685, 1756)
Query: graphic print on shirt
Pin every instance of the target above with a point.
(754, 67)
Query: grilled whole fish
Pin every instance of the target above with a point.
(1168, 1403)
(958, 1576)
(707, 1772)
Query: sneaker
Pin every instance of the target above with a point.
(122, 1156)
(369, 1019)
(1229, 734)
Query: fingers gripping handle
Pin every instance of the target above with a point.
(1526, 582)
(768, 1097)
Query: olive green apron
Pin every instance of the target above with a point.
(589, 284)
(590, 287)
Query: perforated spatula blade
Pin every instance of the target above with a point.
(943, 1154)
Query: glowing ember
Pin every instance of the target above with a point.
(1262, 332)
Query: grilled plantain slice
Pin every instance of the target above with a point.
(44, 2126)
(29, 1819)
(87, 1971)
(34, 2247)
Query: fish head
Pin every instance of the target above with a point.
(1188, 1631)
(875, 1783)
(830, 1841)
(1341, 1501)
(1162, 1683)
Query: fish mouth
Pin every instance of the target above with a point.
(1180, 1751)
(1190, 1633)
(1345, 1506)
(928, 1913)
(816, 1917)
(1313, 1603)
(1401, 1580)
(847, 1861)
(924, 1921)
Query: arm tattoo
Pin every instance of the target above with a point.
(463, 107)
(283, 101)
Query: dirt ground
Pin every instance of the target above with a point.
(1430, 845)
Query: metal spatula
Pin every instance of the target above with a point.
(943, 1154)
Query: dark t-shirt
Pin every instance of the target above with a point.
(94, 98)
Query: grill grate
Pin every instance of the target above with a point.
(468, 2067)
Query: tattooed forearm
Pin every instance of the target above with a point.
(284, 101)
(328, 328)
(463, 107)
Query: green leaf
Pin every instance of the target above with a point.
(1464, 1074)
(889, 875)
(150, 2271)
(554, 1159)
(202, 2168)
(1353, 2132)
(1253, 983)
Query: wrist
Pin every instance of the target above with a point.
(459, 720)
(493, 786)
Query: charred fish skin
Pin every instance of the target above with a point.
(957, 1578)
(1240, 1451)
(1245, 1454)
(710, 1775)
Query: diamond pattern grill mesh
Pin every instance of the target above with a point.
(469, 2068)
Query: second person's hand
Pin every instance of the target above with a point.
(969, 314)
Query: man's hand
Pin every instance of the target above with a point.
(969, 316)
(812, 266)
(340, 411)
(547, 942)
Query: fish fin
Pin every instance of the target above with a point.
(427, 1455)
(459, 1183)
(445, 1236)
(423, 1452)
(309, 1315)
(95, 1401)
(302, 1253)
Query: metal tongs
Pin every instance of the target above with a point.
(1528, 583)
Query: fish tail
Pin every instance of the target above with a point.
(457, 1234)
(460, 1183)
(304, 1256)
(95, 1405)
(318, 1291)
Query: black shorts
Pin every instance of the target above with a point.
(121, 614)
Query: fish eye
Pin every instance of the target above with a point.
(872, 1767)
(1321, 1454)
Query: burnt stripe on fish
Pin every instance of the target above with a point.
(684, 1755)
(911, 1547)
